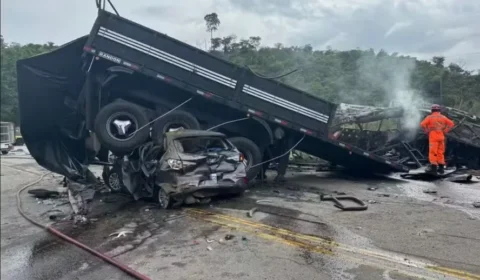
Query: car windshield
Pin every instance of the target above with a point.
(193, 145)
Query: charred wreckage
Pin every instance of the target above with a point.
(147, 99)
(387, 132)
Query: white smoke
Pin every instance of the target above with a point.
(393, 76)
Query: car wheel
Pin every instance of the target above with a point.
(4, 152)
(116, 126)
(252, 154)
(163, 199)
(113, 180)
(174, 120)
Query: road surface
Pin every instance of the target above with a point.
(404, 234)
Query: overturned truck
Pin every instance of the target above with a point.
(125, 86)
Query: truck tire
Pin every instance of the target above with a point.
(176, 119)
(252, 154)
(115, 138)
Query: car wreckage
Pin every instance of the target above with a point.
(191, 166)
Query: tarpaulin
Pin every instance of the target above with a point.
(44, 81)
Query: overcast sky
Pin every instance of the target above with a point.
(421, 28)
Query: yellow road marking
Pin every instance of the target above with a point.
(318, 244)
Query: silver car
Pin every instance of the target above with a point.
(191, 167)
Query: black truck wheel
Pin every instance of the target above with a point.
(116, 126)
(252, 154)
(174, 120)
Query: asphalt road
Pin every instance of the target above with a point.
(404, 234)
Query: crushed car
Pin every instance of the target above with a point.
(190, 167)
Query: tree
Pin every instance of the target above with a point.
(215, 43)
(438, 61)
(10, 53)
(227, 42)
(212, 22)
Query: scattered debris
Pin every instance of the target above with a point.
(209, 240)
(195, 242)
(276, 191)
(80, 220)
(122, 233)
(430, 191)
(339, 193)
(229, 237)
(209, 248)
(359, 228)
(372, 201)
(55, 217)
(372, 189)
(221, 241)
(336, 199)
(425, 232)
(43, 193)
(476, 204)
(383, 195)
(264, 200)
(251, 212)
(244, 238)
(47, 202)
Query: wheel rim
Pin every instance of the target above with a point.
(163, 198)
(114, 181)
(121, 126)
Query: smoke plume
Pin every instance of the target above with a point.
(393, 75)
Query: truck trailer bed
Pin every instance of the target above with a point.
(144, 50)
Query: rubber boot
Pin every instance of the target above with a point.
(431, 169)
(441, 169)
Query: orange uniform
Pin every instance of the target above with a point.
(436, 125)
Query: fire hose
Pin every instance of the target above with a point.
(49, 228)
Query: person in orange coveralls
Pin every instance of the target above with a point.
(436, 125)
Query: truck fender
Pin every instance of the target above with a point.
(113, 72)
(267, 129)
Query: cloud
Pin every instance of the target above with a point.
(413, 27)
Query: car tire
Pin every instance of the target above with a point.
(4, 152)
(163, 199)
(174, 119)
(113, 180)
(252, 154)
(110, 136)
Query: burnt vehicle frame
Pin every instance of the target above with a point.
(407, 145)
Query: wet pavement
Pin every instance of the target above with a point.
(404, 234)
